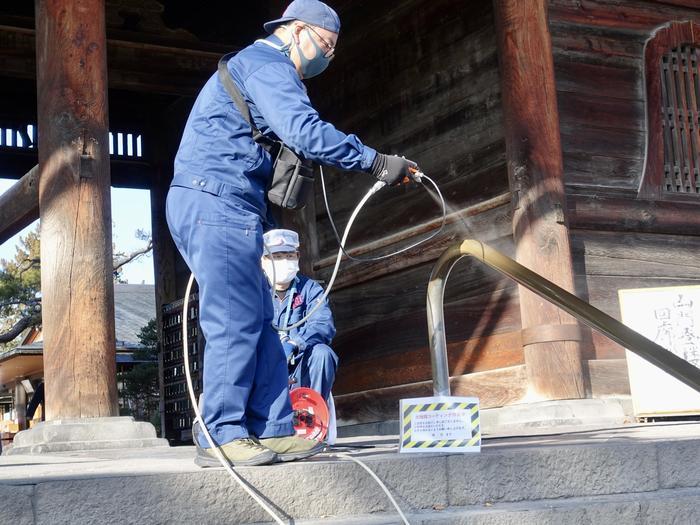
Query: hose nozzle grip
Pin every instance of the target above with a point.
(416, 175)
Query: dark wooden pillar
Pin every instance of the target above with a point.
(304, 223)
(74, 203)
(164, 257)
(164, 131)
(551, 338)
(20, 400)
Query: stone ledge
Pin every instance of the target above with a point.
(325, 486)
(640, 474)
(64, 435)
(664, 506)
(528, 418)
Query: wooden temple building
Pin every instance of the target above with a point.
(565, 133)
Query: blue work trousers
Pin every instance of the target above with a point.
(245, 390)
(315, 369)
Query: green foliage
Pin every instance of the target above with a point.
(148, 337)
(139, 385)
(20, 284)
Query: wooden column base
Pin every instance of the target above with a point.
(554, 370)
(553, 359)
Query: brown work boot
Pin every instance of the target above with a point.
(289, 448)
(240, 452)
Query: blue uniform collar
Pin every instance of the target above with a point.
(276, 43)
(275, 40)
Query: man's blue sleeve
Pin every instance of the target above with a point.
(320, 328)
(281, 98)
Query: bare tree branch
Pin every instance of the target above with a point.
(12, 303)
(18, 328)
(33, 263)
(134, 255)
(31, 320)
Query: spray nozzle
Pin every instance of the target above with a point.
(417, 175)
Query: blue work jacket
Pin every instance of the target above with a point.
(319, 328)
(217, 146)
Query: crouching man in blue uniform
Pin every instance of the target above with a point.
(216, 208)
(312, 362)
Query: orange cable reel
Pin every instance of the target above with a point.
(311, 415)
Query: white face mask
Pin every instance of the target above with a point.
(285, 270)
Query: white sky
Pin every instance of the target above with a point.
(131, 210)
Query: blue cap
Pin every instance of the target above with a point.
(310, 11)
(281, 241)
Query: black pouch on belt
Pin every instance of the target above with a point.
(292, 177)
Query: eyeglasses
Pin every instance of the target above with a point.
(329, 49)
(281, 256)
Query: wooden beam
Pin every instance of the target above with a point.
(74, 201)
(494, 388)
(412, 232)
(411, 365)
(125, 172)
(19, 205)
(631, 15)
(133, 66)
(608, 377)
(535, 170)
(487, 221)
(595, 212)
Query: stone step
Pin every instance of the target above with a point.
(681, 506)
(511, 481)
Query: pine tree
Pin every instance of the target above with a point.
(20, 286)
(139, 385)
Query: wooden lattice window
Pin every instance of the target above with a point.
(672, 72)
(23, 136)
(680, 90)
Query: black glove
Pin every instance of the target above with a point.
(392, 169)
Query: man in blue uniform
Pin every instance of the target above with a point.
(216, 208)
(311, 360)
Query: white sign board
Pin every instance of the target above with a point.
(671, 318)
(440, 424)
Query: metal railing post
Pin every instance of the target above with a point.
(436, 320)
(584, 312)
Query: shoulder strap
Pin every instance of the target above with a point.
(235, 93)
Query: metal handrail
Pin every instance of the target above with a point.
(584, 312)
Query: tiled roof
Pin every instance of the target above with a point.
(134, 306)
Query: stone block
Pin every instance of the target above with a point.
(679, 463)
(16, 504)
(416, 482)
(299, 490)
(551, 472)
(680, 507)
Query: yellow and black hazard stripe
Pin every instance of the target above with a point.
(409, 410)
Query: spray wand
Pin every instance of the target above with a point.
(416, 176)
